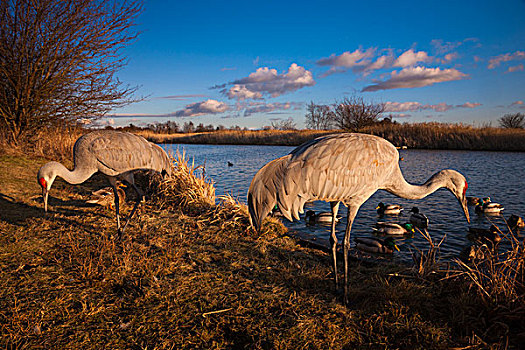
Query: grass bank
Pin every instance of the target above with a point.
(420, 135)
(191, 274)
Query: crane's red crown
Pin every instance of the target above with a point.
(465, 189)
(42, 182)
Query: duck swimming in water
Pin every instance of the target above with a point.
(325, 217)
(489, 208)
(392, 209)
(376, 245)
(483, 235)
(390, 228)
(418, 219)
(515, 222)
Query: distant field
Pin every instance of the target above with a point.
(421, 136)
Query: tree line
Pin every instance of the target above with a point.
(355, 113)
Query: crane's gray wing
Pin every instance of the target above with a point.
(341, 167)
(118, 152)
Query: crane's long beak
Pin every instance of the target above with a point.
(463, 203)
(45, 193)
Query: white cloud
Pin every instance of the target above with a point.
(443, 47)
(496, 61)
(240, 92)
(363, 61)
(348, 59)
(410, 58)
(266, 81)
(517, 68)
(449, 57)
(520, 104)
(402, 106)
(262, 107)
(202, 108)
(469, 105)
(412, 77)
(180, 97)
(415, 106)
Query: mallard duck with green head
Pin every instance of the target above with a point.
(376, 245)
(393, 229)
(392, 209)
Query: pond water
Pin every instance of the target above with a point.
(499, 175)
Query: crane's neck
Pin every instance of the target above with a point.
(78, 175)
(403, 189)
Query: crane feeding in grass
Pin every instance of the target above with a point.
(337, 168)
(115, 154)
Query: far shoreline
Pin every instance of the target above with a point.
(424, 136)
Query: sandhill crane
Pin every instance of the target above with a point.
(115, 154)
(337, 168)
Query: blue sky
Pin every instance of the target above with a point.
(250, 63)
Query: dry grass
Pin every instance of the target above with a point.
(55, 143)
(417, 135)
(235, 137)
(451, 136)
(185, 189)
(190, 273)
(499, 277)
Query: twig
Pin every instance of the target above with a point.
(216, 312)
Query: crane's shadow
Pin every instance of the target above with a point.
(16, 212)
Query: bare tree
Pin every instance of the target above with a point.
(59, 59)
(512, 121)
(287, 124)
(354, 113)
(318, 117)
(188, 127)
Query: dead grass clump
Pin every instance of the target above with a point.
(186, 188)
(56, 144)
(426, 261)
(51, 143)
(498, 277)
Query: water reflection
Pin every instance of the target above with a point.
(498, 175)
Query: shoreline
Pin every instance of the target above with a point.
(413, 136)
(191, 274)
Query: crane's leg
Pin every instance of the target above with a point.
(117, 202)
(352, 212)
(139, 198)
(333, 241)
(113, 182)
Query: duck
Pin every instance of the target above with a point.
(392, 209)
(489, 208)
(472, 200)
(106, 198)
(515, 222)
(477, 200)
(472, 253)
(324, 217)
(418, 219)
(376, 245)
(483, 235)
(389, 228)
(230, 163)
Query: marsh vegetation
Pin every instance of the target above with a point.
(192, 274)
